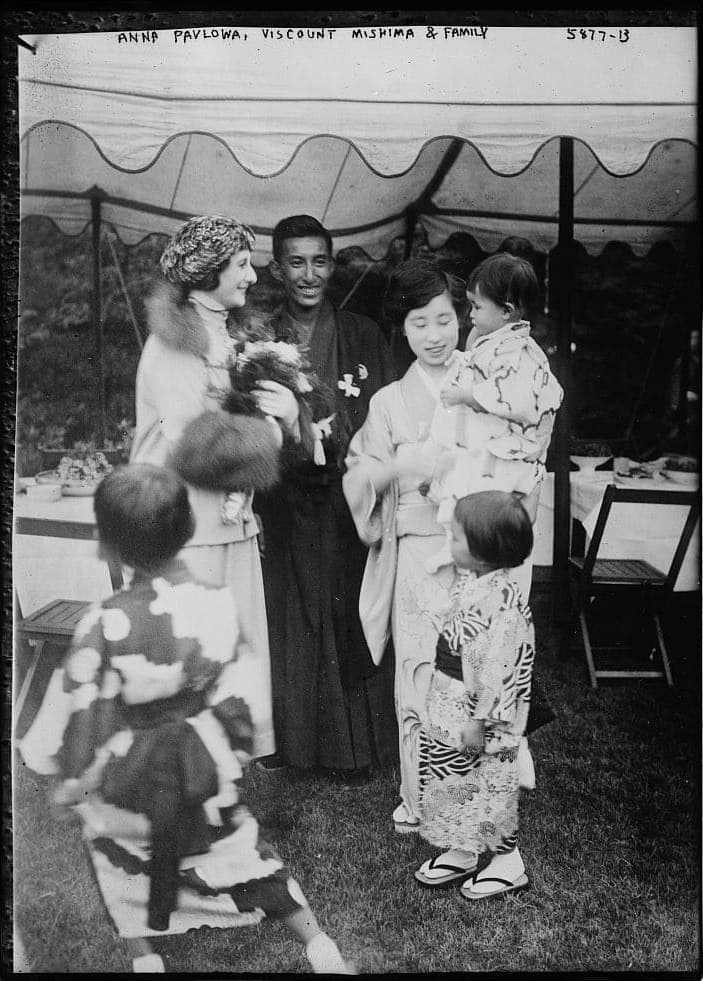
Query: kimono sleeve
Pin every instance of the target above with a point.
(240, 702)
(493, 665)
(370, 447)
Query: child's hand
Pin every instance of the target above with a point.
(420, 464)
(472, 736)
(457, 392)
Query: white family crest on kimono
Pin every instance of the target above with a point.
(346, 384)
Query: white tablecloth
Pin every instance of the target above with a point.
(45, 568)
(650, 532)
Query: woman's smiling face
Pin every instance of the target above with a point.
(235, 279)
(433, 331)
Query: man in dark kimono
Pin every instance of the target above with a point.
(333, 708)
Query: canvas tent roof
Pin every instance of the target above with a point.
(363, 131)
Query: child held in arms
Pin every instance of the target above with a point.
(500, 398)
(163, 708)
(477, 705)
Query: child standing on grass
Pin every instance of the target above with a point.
(477, 704)
(163, 707)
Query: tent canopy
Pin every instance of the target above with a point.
(364, 130)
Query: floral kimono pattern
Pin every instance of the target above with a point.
(483, 672)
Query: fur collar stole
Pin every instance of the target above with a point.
(176, 322)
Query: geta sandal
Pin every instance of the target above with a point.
(452, 873)
(472, 890)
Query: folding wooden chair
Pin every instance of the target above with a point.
(56, 621)
(594, 576)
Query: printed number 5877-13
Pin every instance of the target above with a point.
(597, 34)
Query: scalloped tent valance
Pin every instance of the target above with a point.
(366, 132)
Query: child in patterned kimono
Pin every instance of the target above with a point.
(500, 398)
(162, 706)
(477, 705)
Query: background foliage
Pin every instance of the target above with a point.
(631, 369)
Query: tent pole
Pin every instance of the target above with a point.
(98, 316)
(563, 287)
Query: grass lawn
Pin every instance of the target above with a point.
(610, 839)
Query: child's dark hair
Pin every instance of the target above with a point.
(143, 514)
(497, 527)
(505, 278)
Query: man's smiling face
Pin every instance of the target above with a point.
(304, 268)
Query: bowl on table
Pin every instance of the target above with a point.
(588, 464)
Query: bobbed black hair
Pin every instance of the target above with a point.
(505, 278)
(298, 226)
(416, 282)
(412, 285)
(143, 515)
(497, 527)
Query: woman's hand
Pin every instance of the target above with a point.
(472, 736)
(278, 401)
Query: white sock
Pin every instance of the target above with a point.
(508, 865)
(525, 766)
(148, 964)
(324, 956)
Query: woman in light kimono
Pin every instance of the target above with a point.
(390, 464)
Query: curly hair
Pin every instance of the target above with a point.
(201, 248)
